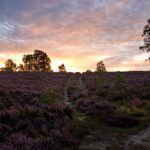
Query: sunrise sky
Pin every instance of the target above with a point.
(78, 33)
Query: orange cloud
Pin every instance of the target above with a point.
(77, 33)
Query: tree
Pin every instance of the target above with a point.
(10, 65)
(39, 61)
(88, 70)
(146, 36)
(62, 68)
(101, 67)
(20, 67)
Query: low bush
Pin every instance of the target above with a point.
(30, 127)
(48, 97)
(95, 106)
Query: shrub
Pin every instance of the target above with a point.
(48, 97)
(118, 91)
(95, 106)
(119, 81)
(117, 94)
(30, 127)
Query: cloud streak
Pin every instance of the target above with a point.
(72, 31)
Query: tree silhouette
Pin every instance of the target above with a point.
(88, 70)
(20, 67)
(10, 65)
(39, 62)
(100, 67)
(62, 68)
(146, 36)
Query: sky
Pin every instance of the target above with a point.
(78, 33)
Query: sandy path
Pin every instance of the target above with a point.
(84, 90)
(66, 95)
(140, 138)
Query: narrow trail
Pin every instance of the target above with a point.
(96, 145)
(84, 90)
(141, 138)
(105, 142)
(66, 95)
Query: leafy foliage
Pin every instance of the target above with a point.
(146, 35)
(10, 65)
(62, 68)
(39, 61)
(48, 97)
(100, 67)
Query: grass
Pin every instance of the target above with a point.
(137, 112)
(92, 129)
(83, 124)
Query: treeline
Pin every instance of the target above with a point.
(39, 62)
(36, 62)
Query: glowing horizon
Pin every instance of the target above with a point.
(78, 33)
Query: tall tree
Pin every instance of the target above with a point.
(146, 36)
(39, 61)
(20, 67)
(62, 68)
(10, 65)
(101, 67)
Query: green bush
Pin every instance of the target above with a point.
(48, 97)
(117, 94)
(119, 81)
(118, 91)
(101, 91)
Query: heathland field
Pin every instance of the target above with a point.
(88, 111)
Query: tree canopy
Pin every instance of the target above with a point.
(39, 61)
(62, 68)
(146, 36)
(100, 67)
(10, 65)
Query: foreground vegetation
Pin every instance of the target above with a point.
(104, 110)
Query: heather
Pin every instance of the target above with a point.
(30, 118)
(40, 110)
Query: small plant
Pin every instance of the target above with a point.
(117, 94)
(101, 91)
(118, 90)
(48, 97)
(119, 81)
